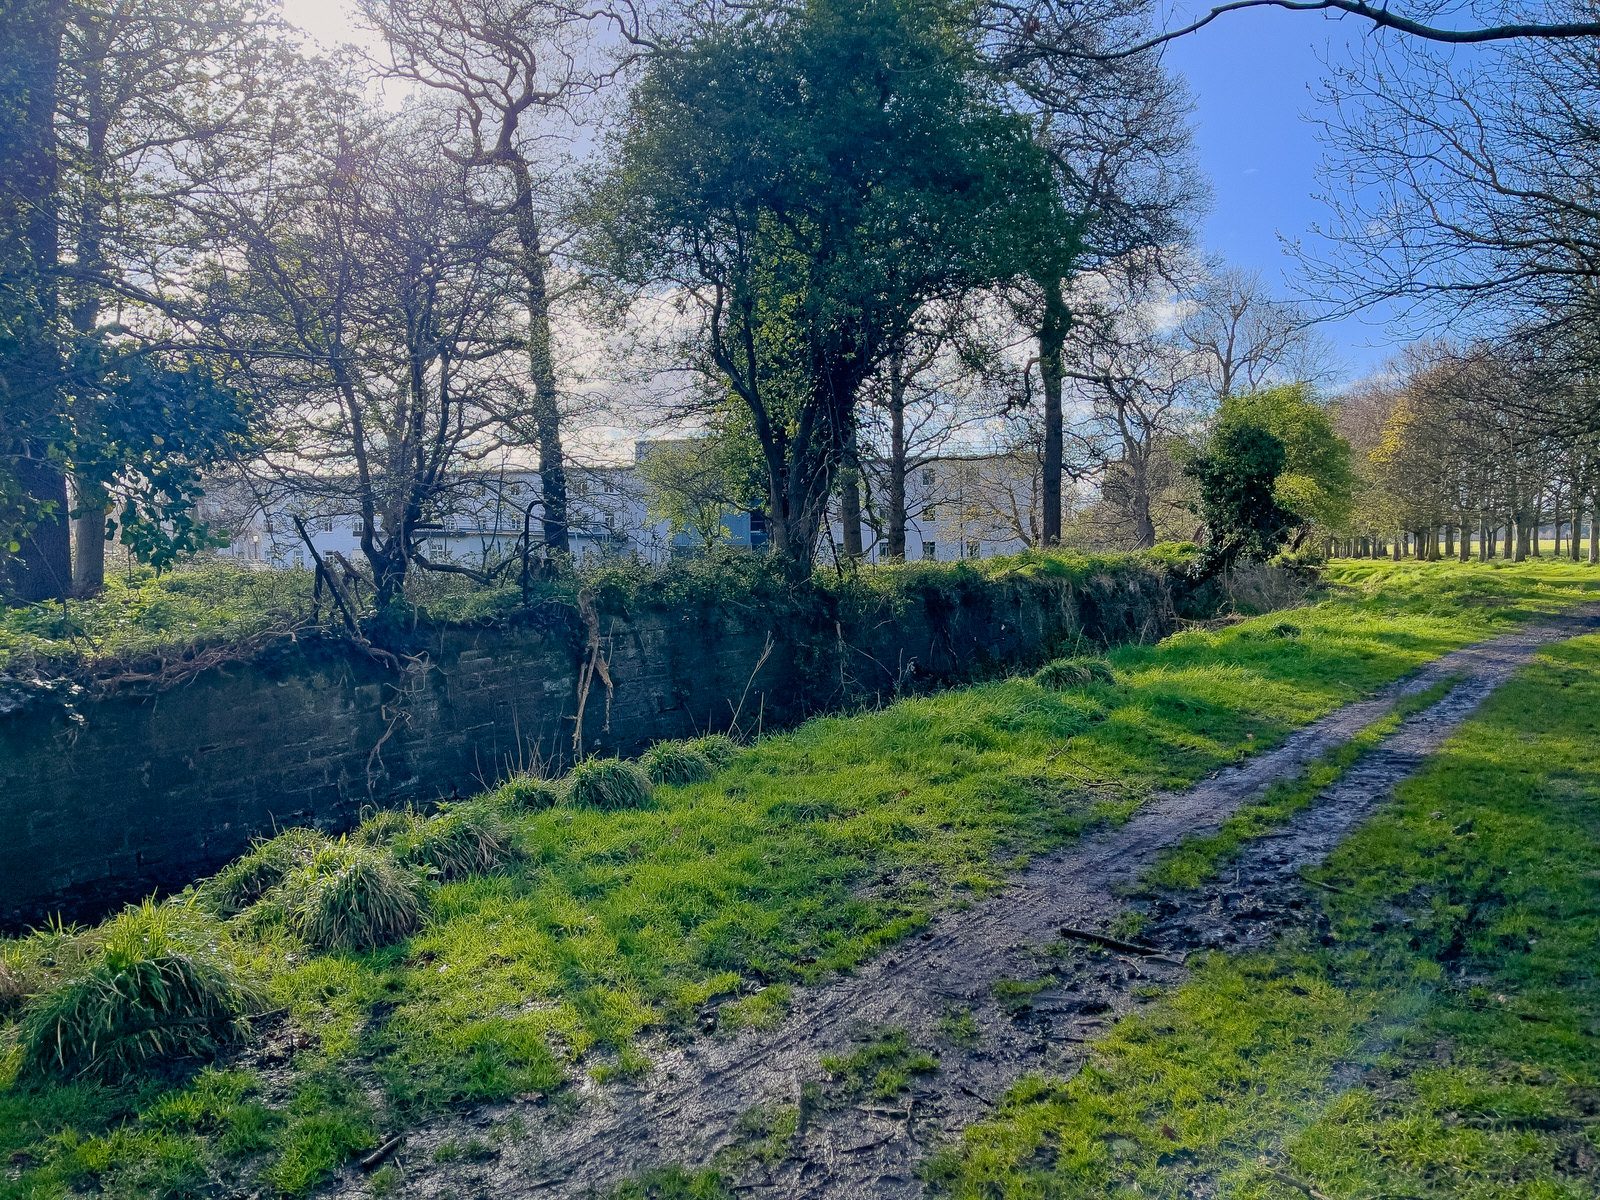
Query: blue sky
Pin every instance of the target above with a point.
(1254, 76)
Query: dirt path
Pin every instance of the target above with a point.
(696, 1105)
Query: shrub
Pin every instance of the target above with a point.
(528, 793)
(352, 897)
(1064, 673)
(245, 880)
(607, 783)
(385, 826)
(718, 748)
(676, 762)
(155, 990)
(458, 841)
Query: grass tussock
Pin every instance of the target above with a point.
(247, 879)
(460, 840)
(386, 826)
(527, 793)
(719, 749)
(676, 763)
(351, 897)
(1063, 674)
(155, 990)
(608, 784)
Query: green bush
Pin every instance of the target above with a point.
(245, 880)
(154, 990)
(460, 840)
(351, 897)
(718, 748)
(1065, 673)
(527, 793)
(676, 762)
(607, 783)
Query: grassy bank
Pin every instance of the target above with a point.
(1443, 1041)
(808, 852)
(215, 602)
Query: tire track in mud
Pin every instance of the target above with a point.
(694, 1106)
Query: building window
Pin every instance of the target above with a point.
(927, 476)
(972, 549)
(929, 551)
(931, 513)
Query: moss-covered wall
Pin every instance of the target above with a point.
(129, 791)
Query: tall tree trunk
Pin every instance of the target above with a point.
(850, 499)
(90, 502)
(1052, 348)
(90, 508)
(1449, 541)
(1594, 532)
(541, 365)
(897, 460)
(30, 372)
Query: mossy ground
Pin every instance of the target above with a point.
(1443, 1041)
(807, 853)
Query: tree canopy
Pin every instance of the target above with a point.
(809, 177)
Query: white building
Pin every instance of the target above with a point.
(961, 506)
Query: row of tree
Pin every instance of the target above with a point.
(230, 252)
(1474, 450)
(862, 228)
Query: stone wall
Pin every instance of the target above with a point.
(130, 791)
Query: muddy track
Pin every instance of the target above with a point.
(693, 1108)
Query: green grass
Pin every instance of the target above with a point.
(881, 1067)
(1196, 859)
(208, 601)
(1444, 1042)
(806, 854)
(140, 613)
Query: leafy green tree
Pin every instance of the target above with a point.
(160, 421)
(1236, 475)
(1318, 483)
(808, 177)
(693, 484)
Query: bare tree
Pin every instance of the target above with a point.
(1141, 387)
(1245, 338)
(1467, 187)
(361, 296)
(512, 71)
(933, 392)
(159, 103)
(1116, 129)
(1516, 27)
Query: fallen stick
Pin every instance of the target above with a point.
(1111, 943)
(1327, 887)
(382, 1152)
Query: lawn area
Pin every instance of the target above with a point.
(609, 929)
(1444, 1042)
